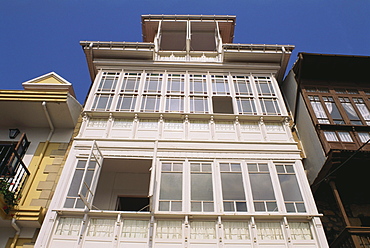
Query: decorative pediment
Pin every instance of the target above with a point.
(49, 82)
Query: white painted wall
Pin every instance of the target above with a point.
(307, 133)
(5, 233)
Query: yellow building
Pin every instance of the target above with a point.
(36, 126)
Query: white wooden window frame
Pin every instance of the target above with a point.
(217, 81)
(134, 77)
(124, 98)
(103, 80)
(200, 79)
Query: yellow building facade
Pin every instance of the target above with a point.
(42, 118)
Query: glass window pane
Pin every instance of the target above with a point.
(330, 136)
(70, 202)
(196, 207)
(198, 105)
(333, 110)
(79, 203)
(232, 186)
(108, 81)
(235, 167)
(169, 229)
(164, 206)
(300, 231)
(166, 166)
(252, 167)
(264, 86)
(269, 231)
(261, 186)
(153, 83)
(171, 186)
(176, 205)
(249, 126)
(289, 186)
(263, 167)
(246, 106)
(206, 167)
(177, 166)
(269, 106)
(174, 104)
(201, 187)
(123, 123)
(241, 206)
(175, 83)
(68, 226)
(364, 136)
(274, 126)
(198, 84)
(362, 108)
(280, 168)
(229, 206)
(236, 230)
(300, 207)
(271, 206)
(347, 105)
(126, 102)
(173, 125)
(199, 125)
(75, 184)
(290, 207)
(202, 230)
(102, 102)
(318, 109)
(259, 207)
(220, 85)
(195, 167)
(289, 168)
(345, 136)
(101, 227)
(242, 85)
(207, 206)
(150, 104)
(135, 229)
(131, 82)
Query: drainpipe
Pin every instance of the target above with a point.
(18, 231)
(42, 154)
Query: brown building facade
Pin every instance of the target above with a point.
(329, 98)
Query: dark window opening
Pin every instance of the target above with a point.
(137, 204)
(203, 36)
(365, 221)
(173, 36)
(222, 105)
(126, 180)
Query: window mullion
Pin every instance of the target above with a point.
(116, 92)
(276, 187)
(255, 95)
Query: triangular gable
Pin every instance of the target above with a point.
(49, 82)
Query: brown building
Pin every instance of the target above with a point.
(329, 99)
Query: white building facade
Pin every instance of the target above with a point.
(185, 142)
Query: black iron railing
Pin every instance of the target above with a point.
(12, 169)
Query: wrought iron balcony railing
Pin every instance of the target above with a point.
(12, 169)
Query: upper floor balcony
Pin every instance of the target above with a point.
(13, 172)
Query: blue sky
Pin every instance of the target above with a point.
(41, 36)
